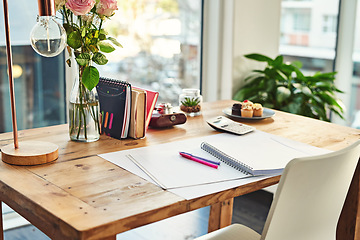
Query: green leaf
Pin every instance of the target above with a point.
(90, 77)
(83, 59)
(74, 40)
(338, 113)
(297, 64)
(259, 57)
(320, 111)
(68, 28)
(286, 69)
(102, 36)
(99, 58)
(329, 75)
(299, 74)
(278, 61)
(102, 31)
(83, 32)
(114, 41)
(106, 47)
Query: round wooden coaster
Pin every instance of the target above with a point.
(30, 153)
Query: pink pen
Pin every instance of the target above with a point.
(198, 160)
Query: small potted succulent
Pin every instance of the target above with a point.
(190, 102)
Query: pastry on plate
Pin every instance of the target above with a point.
(258, 110)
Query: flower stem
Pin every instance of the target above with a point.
(65, 14)
(101, 22)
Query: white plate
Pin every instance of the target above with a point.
(267, 113)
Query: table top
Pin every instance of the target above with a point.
(83, 196)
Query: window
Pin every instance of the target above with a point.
(161, 46)
(307, 41)
(295, 24)
(301, 21)
(329, 24)
(319, 54)
(39, 82)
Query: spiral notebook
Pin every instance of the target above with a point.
(115, 106)
(258, 153)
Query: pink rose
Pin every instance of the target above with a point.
(106, 7)
(80, 7)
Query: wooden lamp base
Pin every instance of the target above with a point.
(30, 153)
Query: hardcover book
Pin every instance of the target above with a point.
(151, 98)
(138, 113)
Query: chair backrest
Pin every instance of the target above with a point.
(310, 196)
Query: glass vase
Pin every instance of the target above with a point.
(84, 121)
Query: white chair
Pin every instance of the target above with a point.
(308, 201)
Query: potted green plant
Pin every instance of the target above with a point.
(283, 86)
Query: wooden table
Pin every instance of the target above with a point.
(82, 196)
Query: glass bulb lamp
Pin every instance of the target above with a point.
(48, 37)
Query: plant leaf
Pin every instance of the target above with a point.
(99, 58)
(83, 59)
(106, 47)
(278, 61)
(74, 40)
(90, 77)
(68, 28)
(102, 36)
(114, 41)
(297, 64)
(259, 57)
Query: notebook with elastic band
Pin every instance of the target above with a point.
(115, 106)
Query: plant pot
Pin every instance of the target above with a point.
(190, 102)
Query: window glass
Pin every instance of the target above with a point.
(39, 82)
(329, 24)
(305, 28)
(301, 21)
(161, 46)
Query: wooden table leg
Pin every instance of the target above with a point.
(348, 227)
(1, 224)
(220, 215)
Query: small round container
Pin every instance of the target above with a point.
(190, 102)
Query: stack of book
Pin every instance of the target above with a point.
(126, 110)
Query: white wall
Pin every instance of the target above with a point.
(256, 30)
(233, 28)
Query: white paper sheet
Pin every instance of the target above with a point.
(190, 179)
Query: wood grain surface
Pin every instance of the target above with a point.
(82, 196)
(30, 153)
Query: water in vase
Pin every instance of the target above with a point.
(83, 122)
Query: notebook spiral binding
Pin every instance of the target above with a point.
(114, 82)
(242, 167)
